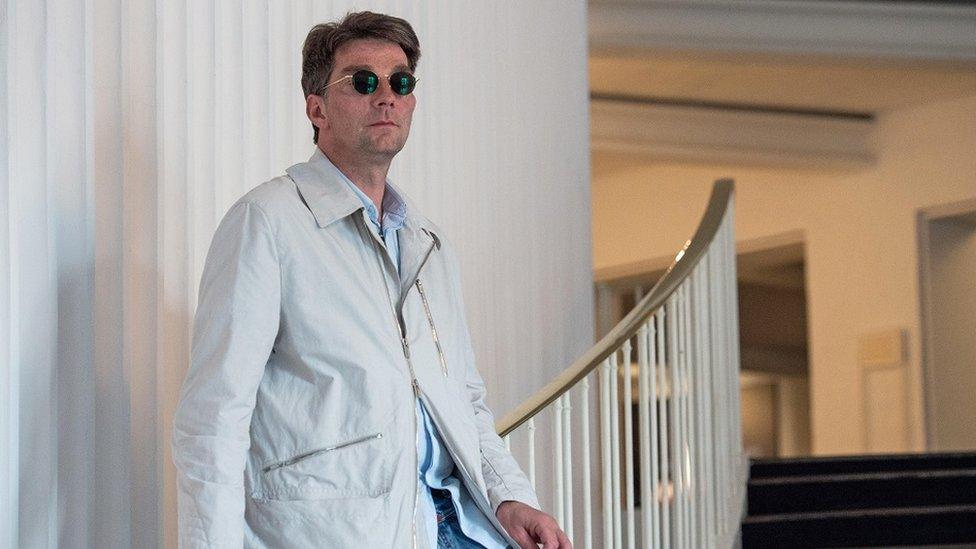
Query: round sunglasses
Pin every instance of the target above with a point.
(366, 82)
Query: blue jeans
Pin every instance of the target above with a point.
(449, 534)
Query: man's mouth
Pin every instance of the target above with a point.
(384, 123)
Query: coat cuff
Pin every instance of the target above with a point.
(500, 494)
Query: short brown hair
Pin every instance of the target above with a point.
(318, 53)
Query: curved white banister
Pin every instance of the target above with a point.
(682, 341)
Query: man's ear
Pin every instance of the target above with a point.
(315, 110)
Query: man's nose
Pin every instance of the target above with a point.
(384, 96)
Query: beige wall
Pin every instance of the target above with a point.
(860, 235)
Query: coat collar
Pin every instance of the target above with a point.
(329, 197)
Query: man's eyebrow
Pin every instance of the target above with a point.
(353, 68)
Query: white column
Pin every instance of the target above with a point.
(30, 298)
(128, 128)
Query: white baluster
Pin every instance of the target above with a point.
(531, 429)
(605, 453)
(686, 396)
(587, 500)
(674, 359)
(643, 441)
(740, 482)
(700, 534)
(615, 450)
(740, 479)
(723, 436)
(628, 443)
(682, 403)
(715, 394)
(737, 481)
(653, 390)
(508, 443)
(663, 429)
(708, 388)
(557, 408)
(726, 385)
(568, 464)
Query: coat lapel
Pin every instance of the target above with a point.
(330, 199)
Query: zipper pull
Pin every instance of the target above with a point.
(406, 347)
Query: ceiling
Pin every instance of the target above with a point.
(784, 82)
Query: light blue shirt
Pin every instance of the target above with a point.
(436, 465)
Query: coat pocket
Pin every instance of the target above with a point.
(359, 466)
(306, 455)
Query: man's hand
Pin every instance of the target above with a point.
(530, 527)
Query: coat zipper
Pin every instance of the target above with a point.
(401, 329)
(295, 459)
(433, 330)
(415, 386)
(469, 482)
(416, 432)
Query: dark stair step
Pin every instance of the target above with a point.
(861, 491)
(912, 526)
(841, 465)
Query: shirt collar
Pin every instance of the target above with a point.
(394, 208)
(331, 196)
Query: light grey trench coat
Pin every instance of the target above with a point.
(296, 424)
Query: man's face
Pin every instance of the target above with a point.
(374, 127)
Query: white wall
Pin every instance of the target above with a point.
(860, 234)
(129, 127)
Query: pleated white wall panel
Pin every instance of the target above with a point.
(130, 127)
(9, 380)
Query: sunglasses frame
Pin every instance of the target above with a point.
(387, 77)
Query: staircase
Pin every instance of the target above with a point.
(638, 443)
(862, 501)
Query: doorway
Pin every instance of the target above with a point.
(774, 379)
(947, 261)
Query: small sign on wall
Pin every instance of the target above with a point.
(883, 358)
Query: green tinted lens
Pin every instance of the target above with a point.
(365, 82)
(402, 82)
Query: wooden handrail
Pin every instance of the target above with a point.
(682, 266)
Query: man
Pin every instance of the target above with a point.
(332, 398)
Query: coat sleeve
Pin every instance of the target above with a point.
(504, 478)
(233, 333)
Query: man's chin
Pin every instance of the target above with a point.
(387, 150)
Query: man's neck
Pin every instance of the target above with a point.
(368, 177)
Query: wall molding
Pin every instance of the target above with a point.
(629, 274)
(725, 136)
(849, 29)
